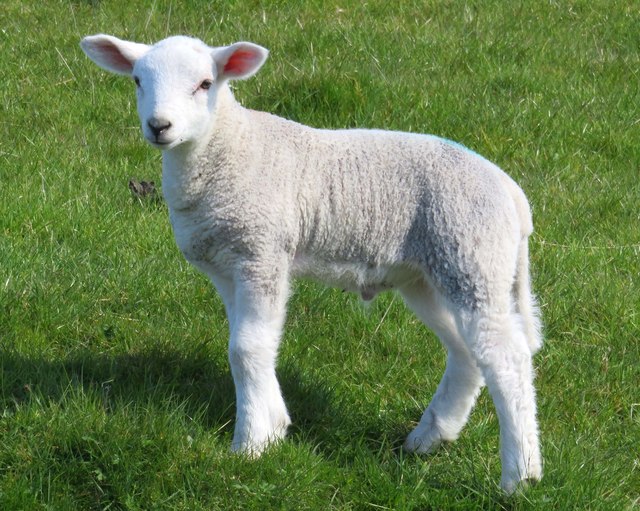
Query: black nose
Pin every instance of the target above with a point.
(158, 126)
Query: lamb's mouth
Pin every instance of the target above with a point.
(160, 143)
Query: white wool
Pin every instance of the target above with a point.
(256, 200)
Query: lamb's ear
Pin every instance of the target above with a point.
(239, 61)
(113, 54)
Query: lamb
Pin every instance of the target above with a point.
(255, 200)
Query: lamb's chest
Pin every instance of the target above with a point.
(204, 241)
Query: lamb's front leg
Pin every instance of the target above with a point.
(257, 320)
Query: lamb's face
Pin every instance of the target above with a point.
(176, 92)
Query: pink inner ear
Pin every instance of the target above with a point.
(240, 62)
(116, 59)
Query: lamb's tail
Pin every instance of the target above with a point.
(525, 301)
(526, 305)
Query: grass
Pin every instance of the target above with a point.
(115, 391)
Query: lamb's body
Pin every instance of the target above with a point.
(255, 200)
(417, 206)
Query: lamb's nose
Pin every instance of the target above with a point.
(158, 126)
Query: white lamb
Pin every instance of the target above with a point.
(255, 200)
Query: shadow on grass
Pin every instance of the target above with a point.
(158, 375)
(201, 382)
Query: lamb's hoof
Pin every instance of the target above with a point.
(514, 488)
(251, 451)
(253, 444)
(254, 449)
(515, 485)
(422, 442)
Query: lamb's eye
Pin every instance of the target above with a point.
(206, 84)
(137, 81)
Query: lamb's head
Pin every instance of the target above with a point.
(177, 81)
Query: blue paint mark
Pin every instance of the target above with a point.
(459, 146)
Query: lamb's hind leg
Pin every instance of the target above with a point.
(456, 395)
(499, 346)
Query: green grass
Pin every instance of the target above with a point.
(114, 387)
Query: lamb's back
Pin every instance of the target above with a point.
(364, 194)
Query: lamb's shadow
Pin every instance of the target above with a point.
(198, 380)
(157, 375)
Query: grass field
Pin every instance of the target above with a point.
(114, 387)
